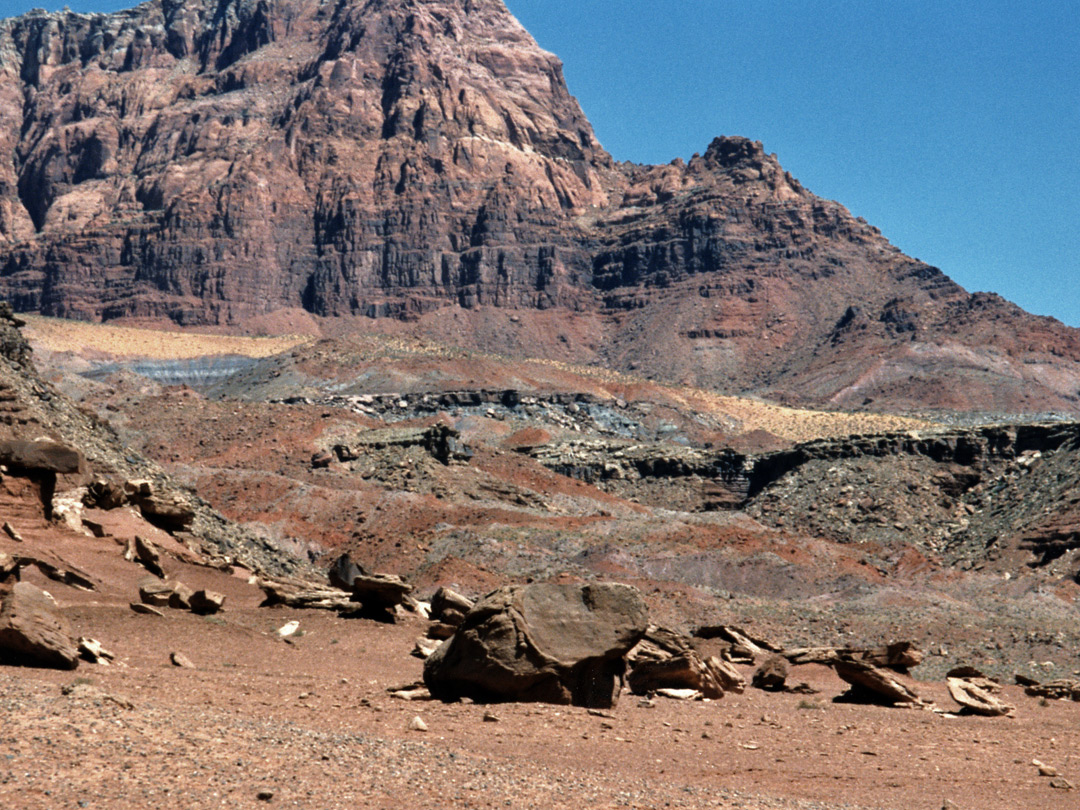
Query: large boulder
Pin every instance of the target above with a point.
(33, 632)
(548, 643)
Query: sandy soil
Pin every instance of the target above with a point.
(312, 721)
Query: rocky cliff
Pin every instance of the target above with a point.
(209, 161)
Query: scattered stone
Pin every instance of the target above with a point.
(171, 514)
(264, 795)
(153, 591)
(417, 724)
(425, 647)
(1044, 769)
(415, 691)
(872, 685)
(1060, 689)
(664, 659)
(771, 675)
(491, 717)
(680, 694)
(288, 629)
(899, 656)
(104, 494)
(545, 642)
(8, 565)
(1061, 784)
(33, 632)
(321, 459)
(976, 693)
(146, 610)
(207, 602)
(91, 650)
(178, 659)
(180, 597)
(380, 590)
(305, 596)
(147, 555)
(9, 530)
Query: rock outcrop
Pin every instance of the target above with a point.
(210, 161)
(548, 643)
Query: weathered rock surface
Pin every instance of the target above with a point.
(212, 161)
(449, 606)
(872, 685)
(977, 694)
(548, 643)
(771, 675)
(664, 659)
(33, 632)
(206, 602)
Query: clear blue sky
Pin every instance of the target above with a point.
(952, 126)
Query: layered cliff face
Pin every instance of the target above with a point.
(208, 161)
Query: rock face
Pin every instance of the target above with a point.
(213, 160)
(549, 643)
(33, 632)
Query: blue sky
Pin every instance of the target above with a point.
(954, 127)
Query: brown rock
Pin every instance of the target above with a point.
(872, 685)
(146, 610)
(771, 675)
(664, 659)
(9, 530)
(92, 650)
(180, 596)
(155, 592)
(976, 695)
(449, 606)
(178, 659)
(207, 602)
(147, 555)
(550, 643)
(33, 632)
(170, 514)
(42, 456)
(380, 590)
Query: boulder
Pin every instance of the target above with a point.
(771, 675)
(206, 602)
(1060, 689)
(872, 685)
(546, 642)
(380, 590)
(33, 632)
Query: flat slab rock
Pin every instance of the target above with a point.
(33, 632)
(548, 643)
